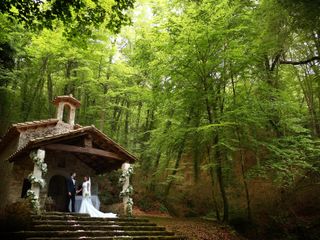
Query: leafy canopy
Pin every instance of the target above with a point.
(79, 17)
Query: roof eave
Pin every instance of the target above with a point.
(39, 142)
(123, 150)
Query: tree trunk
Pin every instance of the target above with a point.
(179, 156)
(245, 184)
(307, 90)
(176, 166)
(218, 159)
(215, 204)
(212, 111)
(152, 185)
(69, 87)
(196, 150)
(50, 95)
(137, 127)
(126, 125)
(138, 116)
(38, 88)
(116, 120)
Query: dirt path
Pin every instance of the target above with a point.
(197, 229)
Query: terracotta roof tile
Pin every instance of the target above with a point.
(67, 98)
(41, 141)
(35, 123)
(118, 146)
(35, 141)
(15, 129)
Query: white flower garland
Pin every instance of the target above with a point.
(34, 200)
(128, 191)
(39, 162)
(34, 180)
(125, 174)
(129, 206)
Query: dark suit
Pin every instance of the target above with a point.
(72, 190)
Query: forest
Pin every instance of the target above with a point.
(218, 99)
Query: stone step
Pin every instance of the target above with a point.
(71, 226)
(117, 238)
(47, 227)
(61, 213)
(86, 217)
(86, 222)
(81, 233)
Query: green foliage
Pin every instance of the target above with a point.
(190, 83)
(111, 195)
(79, 17)
(289, 159)
(305, 13)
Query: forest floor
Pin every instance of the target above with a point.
(193, 228)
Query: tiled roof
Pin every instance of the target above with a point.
(37, 142)
(16, 128)
(67, 98)
(47, 139)
(118, 146)
(36, 123)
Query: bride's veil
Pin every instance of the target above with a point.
(89, 188)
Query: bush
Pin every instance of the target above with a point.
(108, 198)
(16, 217)
(109, 188)
(149, 203)
(163, 208)
(146, 203)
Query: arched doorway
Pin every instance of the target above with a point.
(59, 193)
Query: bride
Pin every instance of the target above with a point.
(86, 204)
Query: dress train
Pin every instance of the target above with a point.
(87, 206)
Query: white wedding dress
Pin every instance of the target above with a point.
(87, 206)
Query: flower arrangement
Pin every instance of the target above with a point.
(128, 191)
(129, 206)
(36, 180)
(39, 162)
(44, 168)
(125, 174)
(34, 200)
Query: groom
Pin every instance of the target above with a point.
(71, 183)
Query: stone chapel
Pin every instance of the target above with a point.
(36, 157)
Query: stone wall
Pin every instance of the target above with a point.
(20, 171)
(5, 172)
(13, 175)
(63, 164)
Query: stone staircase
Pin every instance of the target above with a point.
(56, 225)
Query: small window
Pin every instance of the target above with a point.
(25, 187)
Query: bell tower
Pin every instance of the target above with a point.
(64, 103)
